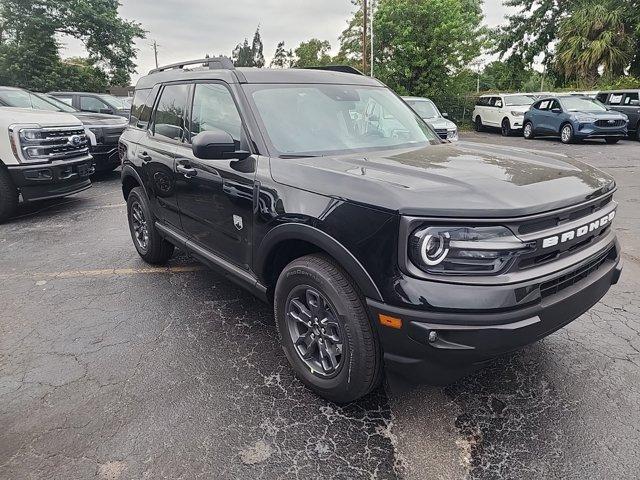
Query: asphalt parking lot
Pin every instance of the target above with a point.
(112, 369)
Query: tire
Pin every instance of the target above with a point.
(315, 286)
(150, 245)
(8, 196)
(566, 133)
(527, 131)
(611, 140)
(505, 128)
(479, 127)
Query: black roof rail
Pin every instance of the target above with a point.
(338, 68)
(214, 63)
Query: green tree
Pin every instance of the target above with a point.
(313, 53)
(279, 57)
(257, 50)
(424, 45)
(509, 75)
(29, 52)
(249, 54)
(351, 38)
(594, 37)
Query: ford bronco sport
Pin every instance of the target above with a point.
(377, 243)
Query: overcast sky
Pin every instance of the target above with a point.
(189, 29)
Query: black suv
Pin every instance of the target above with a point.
(377, 243)
(627, 102)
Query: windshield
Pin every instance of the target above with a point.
(114, 102)
(25, 99)
(59, 104)
(578, 104)
(332, 119)
(517, 100)
(424, 108)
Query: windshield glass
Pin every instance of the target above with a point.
(59, 104)
(115, 102)
(25, 99)
(578, 104)
(424, 108)
(515, 100)
(334, 119)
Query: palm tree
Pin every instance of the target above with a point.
(594, 37)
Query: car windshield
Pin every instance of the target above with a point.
(517, 100)
(59, 104)
(578, 104)
(25, 99)
(333, 119)
(425, 108)
(114, 102)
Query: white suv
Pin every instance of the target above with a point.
(42, 155)
(503, 111)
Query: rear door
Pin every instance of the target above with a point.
(216, 196)
(542, 124)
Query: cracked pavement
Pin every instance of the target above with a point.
(111, 369)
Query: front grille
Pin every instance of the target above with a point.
(57, 143)
(442, 133)
(558, 284)
(610, 123)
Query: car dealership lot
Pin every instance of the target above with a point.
(113, 369)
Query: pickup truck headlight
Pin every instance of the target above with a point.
(459, 250)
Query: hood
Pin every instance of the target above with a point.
(44, 118)
(99, 119)
(600, 115)
(458, 180)
(440, 123)
(517, 108)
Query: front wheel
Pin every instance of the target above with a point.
(505, 128)
(566, 133)
(150, 245)
(611, 140)
(325, 331)
(527, 131)
(8, 196)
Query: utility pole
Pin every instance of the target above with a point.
(155, 51)
(364, 36)
(372, 9)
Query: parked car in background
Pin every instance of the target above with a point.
(43, 155)
(503, 111)
(429, 112)
(94, 102)
(627, 102)
(102, 130)
(574, 118)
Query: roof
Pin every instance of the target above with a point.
(258, 76)
(621, 90)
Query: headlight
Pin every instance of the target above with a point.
(452, 134)
(458, 250)
(517, 114)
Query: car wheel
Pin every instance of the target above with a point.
(505, 128)
(325, 330)
(8, 196)
(527, 131)
(150, 245)
(611, 140)
(566, 133)
(479, 127)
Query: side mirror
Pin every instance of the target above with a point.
(556, 110)
(445, 114)
(216, 145)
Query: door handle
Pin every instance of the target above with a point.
(144, 156)
(187, 171)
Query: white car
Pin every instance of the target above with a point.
(42, 155)
(429, 112)
(503, 111)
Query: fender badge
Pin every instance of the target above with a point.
(237, 221)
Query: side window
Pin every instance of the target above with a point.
(554, 105)
(615, 99)
(498, 102)
(602, 97)
(92, 104)
(141, 108)
(632, 99)
(483, 102)
(169, 117)
(544, 105)
(67, 100)
(214, 108)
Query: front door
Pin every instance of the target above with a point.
(216, 196)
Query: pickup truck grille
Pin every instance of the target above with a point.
(610, 123)
(54, 143)
(442, 133)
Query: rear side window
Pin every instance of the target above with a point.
(92, 104)
(170, 113)
(631, 98)
(141, 108)
(544, 105)
(615, 99)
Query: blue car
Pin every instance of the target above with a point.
(574, 118)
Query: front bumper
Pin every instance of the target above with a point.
(439, 347)
(52, 180)
(589, 130)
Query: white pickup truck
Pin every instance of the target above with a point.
(42, 155)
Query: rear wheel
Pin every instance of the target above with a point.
(325, 331)
(479, 127)
(8, 196)
(566, 133)
(611, 140)
(148, 242)
(505, 128)
(527, 131)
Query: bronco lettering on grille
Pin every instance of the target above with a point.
(578, 232)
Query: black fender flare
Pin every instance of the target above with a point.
(129, 171)
(307, 233)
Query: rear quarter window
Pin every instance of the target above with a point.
(141, 107)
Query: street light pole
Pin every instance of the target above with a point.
(372, 7)
(364, 36)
